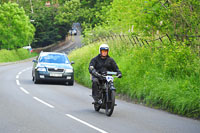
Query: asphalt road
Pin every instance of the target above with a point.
(26, 107)
(75, 42)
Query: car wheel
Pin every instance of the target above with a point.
(71, 82)
(35, 80)
(32, 77)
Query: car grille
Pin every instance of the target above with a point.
(55, 70)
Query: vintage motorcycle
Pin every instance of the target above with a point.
(108, 92)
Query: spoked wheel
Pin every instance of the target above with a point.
(97, 107)
(110, 103)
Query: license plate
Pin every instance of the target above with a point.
(55, 74)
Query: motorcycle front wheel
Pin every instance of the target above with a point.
(97, 107)
(110, 103)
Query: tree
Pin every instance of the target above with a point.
(69, 13)
(93, 11)
(47, 32)
(3, 1)
(16, 29)
(148, 17)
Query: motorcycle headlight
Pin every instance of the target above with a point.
(68, 70)
(41, 69)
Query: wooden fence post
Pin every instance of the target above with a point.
(130, 41)
(134, 40)
(138, 41)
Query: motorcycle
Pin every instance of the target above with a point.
(107, 92)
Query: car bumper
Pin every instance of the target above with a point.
(54, 76)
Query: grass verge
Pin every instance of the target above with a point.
(15, 55)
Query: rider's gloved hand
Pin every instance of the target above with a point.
(99, 76)
(119, 75)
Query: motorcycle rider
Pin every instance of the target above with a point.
(98, 65)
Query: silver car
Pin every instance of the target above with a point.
(54, 67)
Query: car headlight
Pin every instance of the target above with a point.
(68, 70)
(41, 69)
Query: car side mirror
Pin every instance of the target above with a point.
(72, 62)
(35, 61)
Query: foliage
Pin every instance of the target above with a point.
(16, 29)
(4, 1)
(174, 17)
(152, 18)
(15, 55)
(48, 29)
(89, 13)
(178, 59)
(94, 11)
(47, 32)
(95, 34)
(166, 76)
(68, 13)
(53, 23)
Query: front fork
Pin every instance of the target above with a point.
(112, 86)
(109, 88)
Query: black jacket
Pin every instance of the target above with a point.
(102, 65)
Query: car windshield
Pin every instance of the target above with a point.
(54, 58)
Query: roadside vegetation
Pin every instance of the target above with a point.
(164, 75)
(16, 32)
(15, 55)
(166, 78)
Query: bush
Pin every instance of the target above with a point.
(15, 55)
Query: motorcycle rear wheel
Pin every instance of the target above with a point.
(110, 104)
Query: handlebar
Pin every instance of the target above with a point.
(109, 73)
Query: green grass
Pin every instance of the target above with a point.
(15, 55)
(166, 78)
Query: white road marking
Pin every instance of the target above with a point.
(17, 81)
(19, 73)
(25, 91)
(85, 123)
(43, 102)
